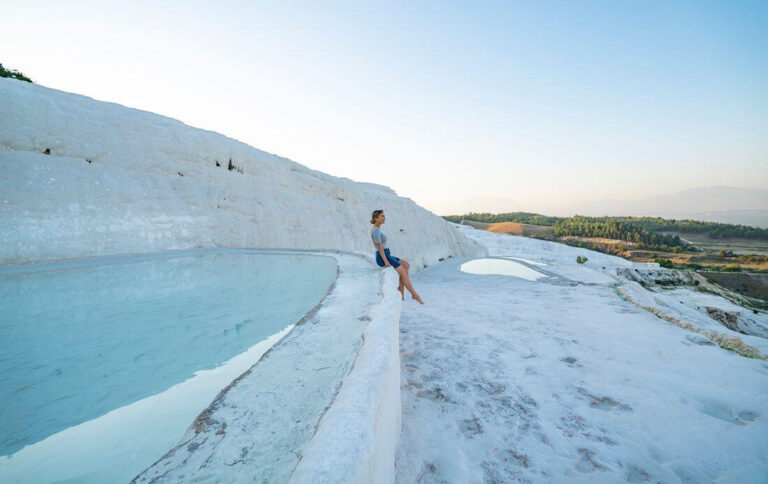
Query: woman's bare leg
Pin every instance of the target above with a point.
(402, 283)
(407, 280)
(408, 285)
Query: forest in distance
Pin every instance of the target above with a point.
(648, 231)
(682, 244)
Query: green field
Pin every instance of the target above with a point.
(734, 244)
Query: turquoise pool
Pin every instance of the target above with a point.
(106, 361)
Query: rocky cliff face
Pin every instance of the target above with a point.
(80, 177)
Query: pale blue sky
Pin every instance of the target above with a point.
(534, 105)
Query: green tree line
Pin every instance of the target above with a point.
(14, 74)
(645, 230)
(712, 229)
(520, 217)
(611, 228)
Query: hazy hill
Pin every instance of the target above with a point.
(723, 204)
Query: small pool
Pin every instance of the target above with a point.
(529, 261)
(501, 267)
(107, 361)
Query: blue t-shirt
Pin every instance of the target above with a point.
(379, 236)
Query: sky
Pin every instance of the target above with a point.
(457, 105)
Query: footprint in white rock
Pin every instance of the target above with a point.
(571, 362)
(513, 456)
(698, 340)
(470, 427)
(429, 473)
(604, 403)
(748, 416)
(435, 394)
(723, 412)
(587, 462)
(636, 474)
(687, 471)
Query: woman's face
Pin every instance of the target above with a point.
(381, 218)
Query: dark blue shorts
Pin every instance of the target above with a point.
(392, 259)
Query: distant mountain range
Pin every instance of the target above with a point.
(723, 204)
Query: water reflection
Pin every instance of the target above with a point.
(501, 267)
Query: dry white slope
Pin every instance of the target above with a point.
(562, 380)
(121, 180)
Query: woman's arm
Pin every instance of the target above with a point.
(383, 256)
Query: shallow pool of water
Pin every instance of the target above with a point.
(107, 361)
(501, 267)
(529, 261)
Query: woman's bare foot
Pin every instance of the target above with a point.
(417, 298)
(402, 292)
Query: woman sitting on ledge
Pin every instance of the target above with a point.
(383, 259)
